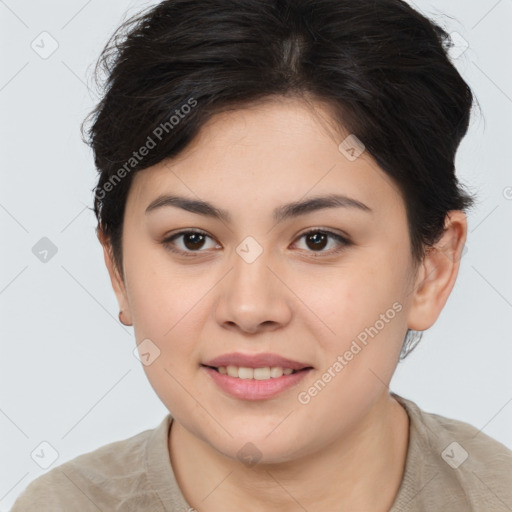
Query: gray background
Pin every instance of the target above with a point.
(68, 375)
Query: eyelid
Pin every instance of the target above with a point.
(327, 231)
(167, 241)
(343, 239)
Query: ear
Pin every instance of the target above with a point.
(115, 276)
(437, 273)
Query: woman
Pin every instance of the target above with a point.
(280, 218)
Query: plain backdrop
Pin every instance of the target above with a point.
(68, 375)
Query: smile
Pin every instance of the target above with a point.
(263, 373)
(256, 376)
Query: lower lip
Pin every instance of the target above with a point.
(252, 389)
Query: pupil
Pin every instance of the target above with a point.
(316, 237)
(196, 240)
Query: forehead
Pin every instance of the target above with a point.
(270, 153)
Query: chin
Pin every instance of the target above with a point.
(256, 445)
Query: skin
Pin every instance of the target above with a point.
(346, 448)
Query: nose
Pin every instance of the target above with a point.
(253, 297)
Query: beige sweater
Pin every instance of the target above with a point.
(450, 467)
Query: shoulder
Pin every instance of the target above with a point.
(462, 466)
(97, 480)
(438, 430)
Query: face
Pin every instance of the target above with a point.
(324, 290)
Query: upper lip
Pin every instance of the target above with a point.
(255, 361)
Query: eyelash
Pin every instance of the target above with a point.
(345, 242)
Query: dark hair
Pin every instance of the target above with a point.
(382, 67)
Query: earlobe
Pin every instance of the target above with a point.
(116, 279)
(438, 273)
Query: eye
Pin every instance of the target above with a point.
(317, 239)
(192, 241)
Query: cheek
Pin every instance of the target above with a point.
(166, 317)
(163, 305)
(352, 299)
(364, 307)
(153, 287)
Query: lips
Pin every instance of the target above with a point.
(256, 376)
(255, 361)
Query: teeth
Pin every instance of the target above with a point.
(245, 373)
(276, 371)
(232, 371)
(261, 373)
(265, 373)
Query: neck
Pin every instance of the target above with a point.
(361, 471)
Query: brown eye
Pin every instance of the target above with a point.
(191, 242)
(317, 240)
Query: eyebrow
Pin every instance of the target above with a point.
(280, 213)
